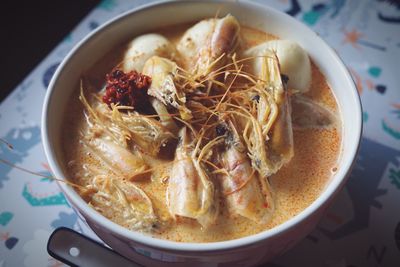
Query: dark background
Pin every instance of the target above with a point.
(29, 30)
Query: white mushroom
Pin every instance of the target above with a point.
(144, 47)
(293, 59)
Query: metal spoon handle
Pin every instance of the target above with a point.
(75, 249)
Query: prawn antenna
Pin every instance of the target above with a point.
(10, 146)
(6, 162)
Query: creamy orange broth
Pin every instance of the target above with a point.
(295, 186)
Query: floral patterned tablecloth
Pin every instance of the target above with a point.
(362, 227)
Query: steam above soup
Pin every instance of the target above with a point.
(203, 133)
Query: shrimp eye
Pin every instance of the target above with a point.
(285, 79)
(221, 129)
(256, 98)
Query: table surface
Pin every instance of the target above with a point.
(361, 228)
(31, 31)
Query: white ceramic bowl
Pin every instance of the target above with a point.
(244, 251)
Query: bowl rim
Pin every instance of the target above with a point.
(324, 198)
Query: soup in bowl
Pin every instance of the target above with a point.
(201, 137)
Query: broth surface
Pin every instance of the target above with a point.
(295, 186)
